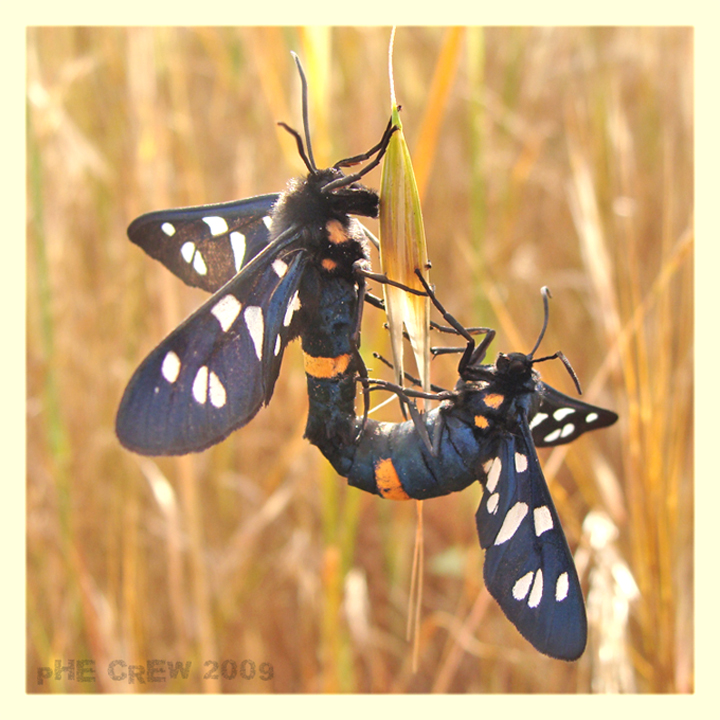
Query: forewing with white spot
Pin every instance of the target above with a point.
(214, 372)
(528, 566)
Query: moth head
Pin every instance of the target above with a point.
(514, 364)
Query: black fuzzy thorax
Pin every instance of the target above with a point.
(306, 207)
(512, 377)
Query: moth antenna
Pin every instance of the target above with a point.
(571, 370)
(546, 294)
(300, 147)
(306, 122)
(559, 356)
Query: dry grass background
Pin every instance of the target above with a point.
(559, 157)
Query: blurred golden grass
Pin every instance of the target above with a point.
(562, 157)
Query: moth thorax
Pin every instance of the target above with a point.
(337, 233)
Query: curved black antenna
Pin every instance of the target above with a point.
(301, 148)
(546, 294)
(306, 122)
(558, 355)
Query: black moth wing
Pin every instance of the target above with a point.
(207, 245)
(528, 567)
(212, 374)
(556, 419)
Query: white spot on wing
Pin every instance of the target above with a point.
(226, 310)
(217, 225)
(199, 264)
(522, 586)
(279, 267)
(255, 325)
(168, 229)
(200, 385)
(536, 592)
(237, 242)
(543, 520)
(568, 429)
(268, 222)
(511, 522)
(591, 417)
(292, 307)
(187, 251)
(218, 395)
(277, 346)
(561, 587)
(539, 417)
(563, 413)
(171, 367)
(554, 435)
(494, 475)
(521, 462)
(492, 503)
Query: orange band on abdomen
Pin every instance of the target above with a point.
(388, 482)
(321, 367)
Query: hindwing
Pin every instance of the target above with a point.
(207, 245)
(556, 419)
